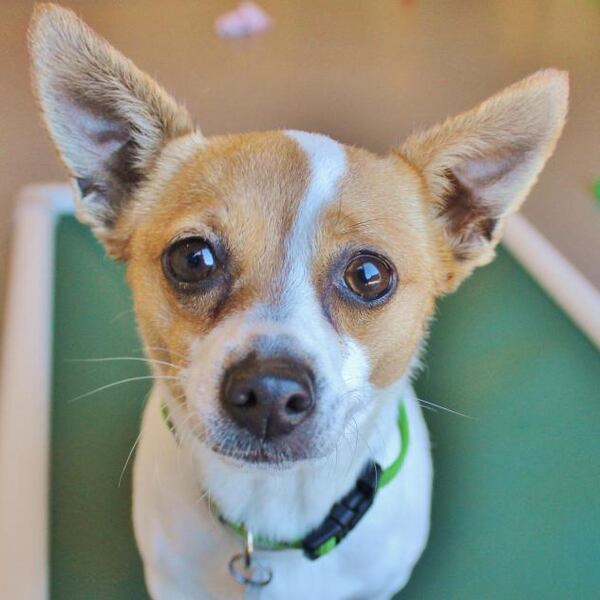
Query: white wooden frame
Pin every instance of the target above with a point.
(25, 395)
(25, 387)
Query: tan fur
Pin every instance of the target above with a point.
(380, 208)
(434, 207)
(246, 190)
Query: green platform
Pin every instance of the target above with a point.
(517, 489)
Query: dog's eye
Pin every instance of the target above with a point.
(368, 276)
(190, 260)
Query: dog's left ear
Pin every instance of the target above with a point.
(108, 119)
(478, 167)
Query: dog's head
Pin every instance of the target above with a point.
(281, 278)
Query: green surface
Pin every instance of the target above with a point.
(597, 191)
(516, 505)
(92, 552)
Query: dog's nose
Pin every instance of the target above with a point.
(268, 397)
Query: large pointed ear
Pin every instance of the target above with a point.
(479, 167)
(108, 119)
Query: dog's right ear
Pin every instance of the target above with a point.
(108, 119)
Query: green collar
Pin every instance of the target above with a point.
(346, 513)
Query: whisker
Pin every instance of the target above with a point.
(137, 439)
(134, 358)
(121, 315)
(128, 380)
(357, 438)
(454, 412)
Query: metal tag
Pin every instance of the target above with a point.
(244, 568)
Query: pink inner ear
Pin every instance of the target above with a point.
(101, 153)
(100, 136)
(482, 172)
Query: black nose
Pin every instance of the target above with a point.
(268, 397)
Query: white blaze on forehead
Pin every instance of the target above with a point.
(299, 302)
(327, 160)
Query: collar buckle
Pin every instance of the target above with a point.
(344, 515)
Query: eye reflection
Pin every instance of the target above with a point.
(368, 276)
(190, 260)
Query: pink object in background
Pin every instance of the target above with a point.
(245, 20)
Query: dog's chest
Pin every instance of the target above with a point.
(186, 551)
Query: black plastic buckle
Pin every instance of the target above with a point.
(345, 514)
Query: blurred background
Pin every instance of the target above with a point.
(364, 72)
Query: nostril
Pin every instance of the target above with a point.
(297, 404)
(244, 398)
(251, 399)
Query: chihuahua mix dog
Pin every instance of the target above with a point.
(283, 284)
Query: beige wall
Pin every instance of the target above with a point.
(366, 72)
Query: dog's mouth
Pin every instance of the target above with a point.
(239, 446)
(255, 456)
(263, 453)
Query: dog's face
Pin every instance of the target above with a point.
(289, 274)
(280, 278)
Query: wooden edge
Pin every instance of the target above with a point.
(575, 294)
(25, 390)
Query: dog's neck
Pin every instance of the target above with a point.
(284, 504)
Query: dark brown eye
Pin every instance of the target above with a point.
(369, 277)
(190, 261)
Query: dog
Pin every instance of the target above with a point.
(283, 284)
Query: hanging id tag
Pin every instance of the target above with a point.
(245, 569)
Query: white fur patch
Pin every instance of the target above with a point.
(327, 159)
(328, 165)
(299, 302)
(355, 369)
